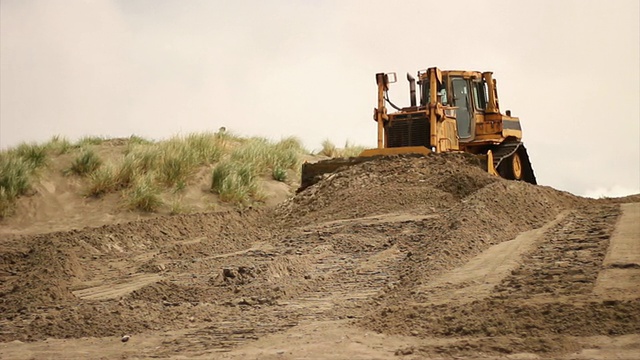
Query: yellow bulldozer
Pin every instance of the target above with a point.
(457, 111)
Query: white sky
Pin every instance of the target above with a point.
(569, 69)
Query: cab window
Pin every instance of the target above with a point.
(425, 96)
(480, 94)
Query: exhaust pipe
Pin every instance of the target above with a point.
(412, 89)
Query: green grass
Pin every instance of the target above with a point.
(148, 169)
(102, 181)
(89, 140)
(15, 180)
(177, 159)
(7, 203)
(34, 154)
(177, 207)
(59, 145)
(279, 174)
(328, 149)
(85, 163)
(137, 140)
(265, 155)
(144, 195)
(18, 166)
(205, 148)
(349, 150)
(235, 179)
(234, 182)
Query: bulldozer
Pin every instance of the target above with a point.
(457, 111)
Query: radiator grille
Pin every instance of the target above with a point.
(408, 130)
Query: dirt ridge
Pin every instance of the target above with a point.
(371, 247)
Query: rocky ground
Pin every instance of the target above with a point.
(403, 257)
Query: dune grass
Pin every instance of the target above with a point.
(85, 163)
(59, 145)
(102, 181)
(17, 169)
(32, 153)
(144, 195)
(89, 140)
(149, 170)
(235, 179)
(329, 149)
(351, 150)
(15, 180)
(137, 140)
(234, 182)
(179, 157)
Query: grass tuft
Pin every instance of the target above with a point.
(137, 140)
(59, 145)
(102, 181)
(176, 207)
(15, 180)
(279, 174)
(329, 149)
(7, 203)
(205, 147)
(235, 182)
(144, 195)
(179, 157)
(89, 140)
(85, 163)
(349, 150)
(34, 154)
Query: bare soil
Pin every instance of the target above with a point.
(407, 257)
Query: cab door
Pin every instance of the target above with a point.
(464, 113)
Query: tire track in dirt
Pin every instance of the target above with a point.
(477, 278)
(322, 283)
(620, 278)
(114, 291)
(569, 260)
(549, 294)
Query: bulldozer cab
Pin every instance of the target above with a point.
(464, 113)
(425, 95)
(468, 99)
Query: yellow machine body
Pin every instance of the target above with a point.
(457, 111)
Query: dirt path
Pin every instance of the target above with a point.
(114, 291)
(478, 277)
(620, 278)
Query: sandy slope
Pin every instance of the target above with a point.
(410, 258)
(58, 202)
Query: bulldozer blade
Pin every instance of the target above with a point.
(313, 172)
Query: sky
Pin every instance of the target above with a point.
(570, 70)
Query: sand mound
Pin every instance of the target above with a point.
(388, 184)
(382, 244)
(43, 269)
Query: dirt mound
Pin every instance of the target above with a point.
(549, 294)
(428, 247)
(43, 270)
(388, 184)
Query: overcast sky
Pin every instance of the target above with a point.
(569, 69)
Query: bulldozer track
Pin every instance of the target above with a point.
(504, 151)
(508, 149)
